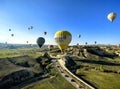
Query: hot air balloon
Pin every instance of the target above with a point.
(95, 42)
(86, 43)
(119, 45)
(12, 35)
(5, 42)
(50, 46)
(63, 38)
(28, 28)
(79, 35)
(45, 33)
(111, 16)
(27, 41)
(40, 41)
(9, 29)
(77, 44)
(30, 44)
(31, 27)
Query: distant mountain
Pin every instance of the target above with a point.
(15, 46)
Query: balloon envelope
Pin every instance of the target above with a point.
(45, 33)
(28, 28)
(12, 34)
(111, 16)
(40, 41)
(9, 29)
(79, 35)
(63, 38)
(50, 46)
(95, 42)
(31, 27)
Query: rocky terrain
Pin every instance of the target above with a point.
(15, 70)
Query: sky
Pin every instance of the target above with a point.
(85, 17)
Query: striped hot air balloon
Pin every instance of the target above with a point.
(63, 38)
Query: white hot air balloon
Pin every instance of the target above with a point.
(111, 17)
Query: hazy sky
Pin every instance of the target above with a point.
(85, 17)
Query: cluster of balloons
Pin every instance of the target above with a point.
(31, 27)
(62, 38)
(12, 33)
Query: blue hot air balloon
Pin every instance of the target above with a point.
(40, 41)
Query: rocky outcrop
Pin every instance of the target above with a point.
(100, 52)
(117, 53)
(15, 78)
(68, 61)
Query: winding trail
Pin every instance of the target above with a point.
(59, 65)
(68, 75)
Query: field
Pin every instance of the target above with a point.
(102, 80)
(57, 82)
(100, 71)
(9, 53)
(14, 60)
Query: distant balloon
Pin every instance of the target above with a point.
(95, 42)
(9, 29)
(30, 44)
(27, 41)
(12, 35)
(77, 44)
(79, 35)
(86, 43)
(40, 41)
(119, 45)
(45, 33)
(5, 42)
(50, 46)
(111, 16)
(28, 28)
(63, 38)
(31, 27)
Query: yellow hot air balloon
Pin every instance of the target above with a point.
(111, 16)
(63, 38)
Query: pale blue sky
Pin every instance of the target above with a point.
(85, 17)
